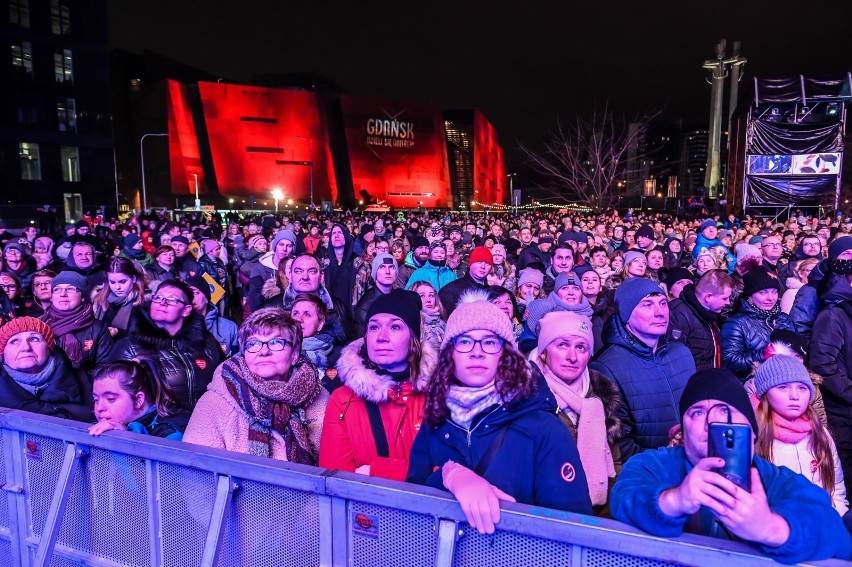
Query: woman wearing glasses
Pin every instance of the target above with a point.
(266, 401)
(490, 431)
(13, 302)
(85, 340)
(372, 419)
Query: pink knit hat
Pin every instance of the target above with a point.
(475, 312)
(564, 324)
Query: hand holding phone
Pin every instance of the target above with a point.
(732, 442)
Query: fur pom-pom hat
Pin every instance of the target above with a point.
(474, 312)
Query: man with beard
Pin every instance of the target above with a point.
(435, 271)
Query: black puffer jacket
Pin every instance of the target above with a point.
(451, 292)
(745, 335)
(188, 359)
(830, 355)
(697, 328)
(66, 394)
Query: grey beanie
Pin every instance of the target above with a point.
(71, 278)
(781, 369)
(380, 259)
(283, 234)
(531, 275)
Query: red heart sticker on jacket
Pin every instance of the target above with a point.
(88, 344)
(201, 363)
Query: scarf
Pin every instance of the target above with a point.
(64, 323)
(316, 349)
(791, 430)
(582, 308)
(466, 403)
(133, 253)
(33, 382)
(587, 412)
(270, 405)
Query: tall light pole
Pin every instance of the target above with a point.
(142, 156)
(197, 200)
(311, 163)
(514, 202)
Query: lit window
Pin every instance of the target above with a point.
(19, 13)
(63, 68)
(60, 18)
(66, 114)
(70, 163)
(30, 162)
(22, 58)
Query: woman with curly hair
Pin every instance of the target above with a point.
(490, 430)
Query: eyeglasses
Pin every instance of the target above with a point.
(64, 290)
(8, 287)
(168, 300)
(41, 284)
(489, 345)
(275, 345)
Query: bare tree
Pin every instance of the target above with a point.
(590, 160)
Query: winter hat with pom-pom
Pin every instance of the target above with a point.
(475, 312)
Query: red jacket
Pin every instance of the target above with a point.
(347, 438)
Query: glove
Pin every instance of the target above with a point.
(479, 499)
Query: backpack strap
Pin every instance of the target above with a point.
(492, 451)
(378, 428)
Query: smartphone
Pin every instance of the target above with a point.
(732, 442)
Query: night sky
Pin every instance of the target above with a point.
(523, 65)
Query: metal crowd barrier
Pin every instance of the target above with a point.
(128, 500)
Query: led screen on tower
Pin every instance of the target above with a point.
(397, 152)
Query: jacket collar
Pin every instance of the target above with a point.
(374, 387)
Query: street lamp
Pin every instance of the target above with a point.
(514, 202)
(276, 194)
(311, 163)
(142, 156)
(197, 200)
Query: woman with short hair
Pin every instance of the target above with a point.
(266, 401)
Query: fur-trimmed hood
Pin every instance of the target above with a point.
(368, 384)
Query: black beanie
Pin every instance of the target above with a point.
(401, 303)
(418, 242)
(646, 231)
(717, 384)
(758, 279)
(200, 284)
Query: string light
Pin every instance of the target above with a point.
(501, 207)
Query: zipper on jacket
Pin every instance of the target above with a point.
(470, 431)
(189, 373)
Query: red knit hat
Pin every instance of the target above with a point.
(481, 254)
(24, 324)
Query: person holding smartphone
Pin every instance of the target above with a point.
(680, 489)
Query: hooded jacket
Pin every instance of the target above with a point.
(651, 383)
(830, 355)
(261, 270)
(347, 438)
(698, 328)
(437, 276)
(537, 463)
(340, 276)
(745, 335)
(188, 359)
(224, 330)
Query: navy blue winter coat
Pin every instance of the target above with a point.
(537, 464)
(651, 383)
(745, 335)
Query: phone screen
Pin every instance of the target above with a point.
(732, 442)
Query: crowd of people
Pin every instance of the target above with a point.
(562, 359)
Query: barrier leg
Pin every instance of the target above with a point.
(225, 488)
(73, 454)
(447, 533)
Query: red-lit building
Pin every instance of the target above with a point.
(240, 143)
